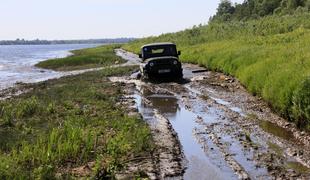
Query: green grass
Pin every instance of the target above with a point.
(83, 59)
(66, 123)
(270, 57)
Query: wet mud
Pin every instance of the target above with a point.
(212, 128)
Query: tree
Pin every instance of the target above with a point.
(268, 6)
(251, 9)
(225, 7)
(224, 10)
(307, 4)
(292, 4)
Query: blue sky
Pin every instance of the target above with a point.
(83, 19)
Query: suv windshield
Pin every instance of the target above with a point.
(159, 51)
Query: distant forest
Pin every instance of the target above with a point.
(254, 9)
(46, 42)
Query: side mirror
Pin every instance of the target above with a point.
(140, 55)
(179, 53)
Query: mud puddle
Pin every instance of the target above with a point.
(276, 130)
(220, 129)
(198, 165)
(210, 151)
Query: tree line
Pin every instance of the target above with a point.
(253, 9)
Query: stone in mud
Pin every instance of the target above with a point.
(222, 77)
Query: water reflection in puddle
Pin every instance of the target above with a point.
(221, 101)
(276, 130)
(199, 166)
(164, 104)
(183, 123)
(238, 110)
(298, 167)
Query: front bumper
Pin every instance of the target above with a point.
(164, 72)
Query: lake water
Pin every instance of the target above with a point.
(17, 62)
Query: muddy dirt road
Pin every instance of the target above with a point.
(209, 127)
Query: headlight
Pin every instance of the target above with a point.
(175, 62)
(151, 64)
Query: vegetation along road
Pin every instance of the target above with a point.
(73, 126)
(245, 115)
(106, 123)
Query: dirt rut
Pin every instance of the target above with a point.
(212, 128)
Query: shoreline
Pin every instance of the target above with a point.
(87, 126)
(14, 72)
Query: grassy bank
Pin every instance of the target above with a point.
(270, 56)
(84, 59)
(72, 122)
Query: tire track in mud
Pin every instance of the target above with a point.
(253, 114)
(229, 140)
(206, 133)
(215, 113)
(167, 159)
(168, 153)
(160, 119)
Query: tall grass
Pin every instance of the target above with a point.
(66, 123)
(270, 56)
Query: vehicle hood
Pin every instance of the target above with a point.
(160, 58)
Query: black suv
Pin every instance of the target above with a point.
(161, 60)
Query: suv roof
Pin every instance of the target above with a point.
(158, 44)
